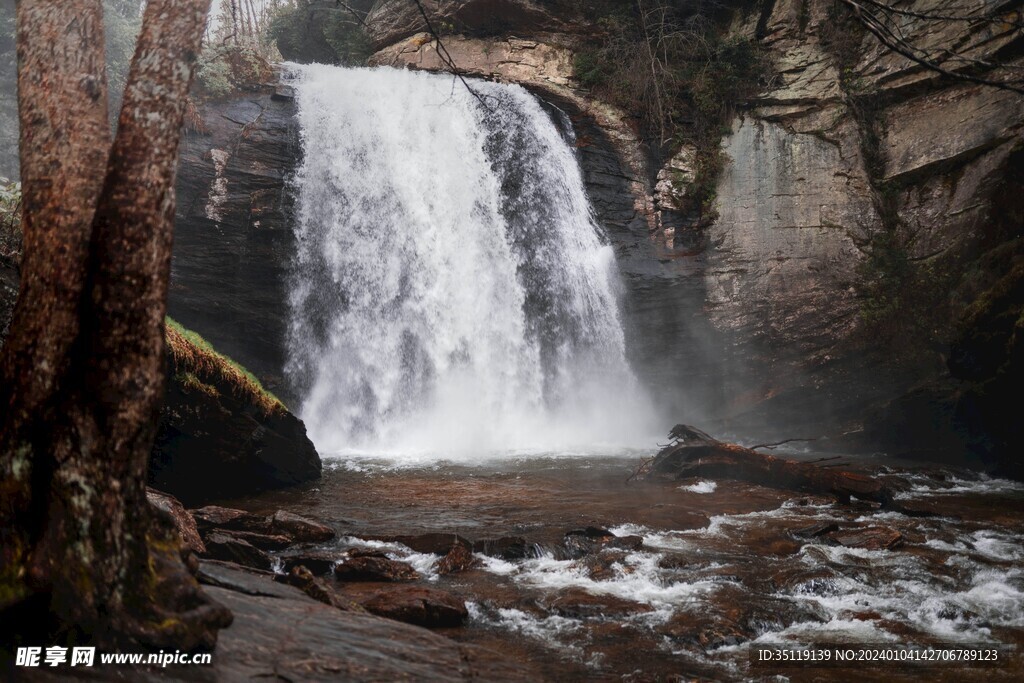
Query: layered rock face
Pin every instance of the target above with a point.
(233, 232)
(758, 321)
(851, 151)
(860, 164)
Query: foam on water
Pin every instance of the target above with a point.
(700, 487)
(861, 591)
(923, 486)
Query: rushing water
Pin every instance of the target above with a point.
(452, 292)
(699, 592)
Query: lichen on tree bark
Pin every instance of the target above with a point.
(82, 369)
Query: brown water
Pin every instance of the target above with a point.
(697, 595)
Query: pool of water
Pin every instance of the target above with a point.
(723, 566)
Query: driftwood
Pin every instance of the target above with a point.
(692, 453)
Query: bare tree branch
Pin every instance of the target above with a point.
(446, 58)
(876, 24)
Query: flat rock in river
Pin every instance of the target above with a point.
(374, 567)
(417, 605)
(220, 546)
(299, 528)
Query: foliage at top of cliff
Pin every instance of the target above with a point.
(199, 367)
(675, 67)
(672, 65)
(322, 32)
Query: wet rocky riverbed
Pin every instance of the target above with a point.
(588, 576)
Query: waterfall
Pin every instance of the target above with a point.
(451, 291)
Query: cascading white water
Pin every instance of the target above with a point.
(452, 291)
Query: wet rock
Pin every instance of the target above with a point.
(507, 548)
(816, 530)
(782, 546)
(318, 589)
(291, 637)
(220, 433)
(602, 566)
(817, 500)
(261, 541)
(580, 542)
(283, 93)
(590, 532)
(687, 521)
(736, 616)
(437, 544)
(234, 230)
(370, 566)
(925, 508)
(706, 629)
(869, 538)
(240, 579)
(223, 547)
(183, 521)
(674, 562)
(214, 516)
(867, 615)
(300, 529)
(459, 559)
(577, 603)
(317, 562)
(420, 606)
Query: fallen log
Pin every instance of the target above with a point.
(693, 453)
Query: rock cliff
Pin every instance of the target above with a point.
(864, 208)
(233, 236)
(856, 215)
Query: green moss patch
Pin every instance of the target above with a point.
(199, 367)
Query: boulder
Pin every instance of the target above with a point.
(217, 517)
(601, 566)
(299, 529)
(281, 633)
(241, 579)
(227, 549)
(183, 521)
(317, 562)
(580, 542)
(438, 544)
(459, 559)
(261, 541)
(421, 606)
(374, 567)
(507, 548)
(221, 434)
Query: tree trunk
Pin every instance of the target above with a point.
(65, 136)
(695, 454)
(105, 567)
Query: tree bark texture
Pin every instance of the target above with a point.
(109, 571)
(695, 454)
